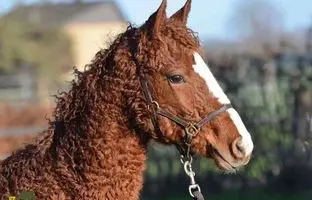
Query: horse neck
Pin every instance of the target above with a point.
(116, 163)
(109, 156)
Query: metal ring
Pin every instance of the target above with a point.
(192, 130)
(193, 187)
(154, 103)
(184, 159)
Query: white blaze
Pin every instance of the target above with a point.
(203, 70)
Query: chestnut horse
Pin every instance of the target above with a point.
(151, 84)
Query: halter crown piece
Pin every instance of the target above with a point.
(191, 130)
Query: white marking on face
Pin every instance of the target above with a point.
(203, 71)
(247, 143)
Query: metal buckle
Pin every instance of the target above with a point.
(155, 103)
(192, 130)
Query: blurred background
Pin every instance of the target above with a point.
(260, 51)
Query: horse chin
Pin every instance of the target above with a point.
(222, 163)
(225, 166)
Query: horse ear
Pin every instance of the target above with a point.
(183, 13)
(157, 19)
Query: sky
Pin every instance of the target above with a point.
(210, 18)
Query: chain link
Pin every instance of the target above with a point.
(187, 159)
(187, 164)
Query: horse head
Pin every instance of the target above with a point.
(181, 98)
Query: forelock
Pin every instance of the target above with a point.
(181, 35)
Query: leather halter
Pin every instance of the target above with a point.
(190, 129)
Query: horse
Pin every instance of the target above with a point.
(151, 84)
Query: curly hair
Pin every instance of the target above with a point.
(104, 110)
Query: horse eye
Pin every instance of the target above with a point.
(176, 79)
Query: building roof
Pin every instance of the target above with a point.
(68, 13)
(104, 12)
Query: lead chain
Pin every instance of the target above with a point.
(187, 164)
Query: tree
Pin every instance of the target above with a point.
(46, 49)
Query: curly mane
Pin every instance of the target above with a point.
(104, 108)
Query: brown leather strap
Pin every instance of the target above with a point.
(150, 104)
(184, 123)
(198, 195)
(173, 117)
(213, 115)
(146, 91)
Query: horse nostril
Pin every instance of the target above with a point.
(238, 149)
